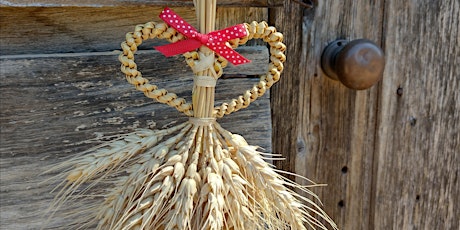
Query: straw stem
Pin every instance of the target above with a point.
(203, 97)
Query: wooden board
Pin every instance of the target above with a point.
(49, 30)
(417, 163)
(52, 104)
(390, 161)
(61, 85)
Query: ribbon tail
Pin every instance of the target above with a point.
(243, 61)
(179, 47)
(229, 54)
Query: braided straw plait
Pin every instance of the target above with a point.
(129, 68)
(275, 41)
(152, 30)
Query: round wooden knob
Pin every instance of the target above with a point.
(357, 64)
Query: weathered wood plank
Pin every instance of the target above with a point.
(51, 105)
(390, 155)
(88, 29)
(112, 3)
(330, 136)
(418, 147)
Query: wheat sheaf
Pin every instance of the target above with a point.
(195, 175)
(201, 177)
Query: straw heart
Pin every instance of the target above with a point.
(216, 40)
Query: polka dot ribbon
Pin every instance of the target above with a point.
(216, 40)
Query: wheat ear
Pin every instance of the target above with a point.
(150, 182)
(280, 207)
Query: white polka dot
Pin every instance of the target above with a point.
(220, 39)
(185, 31)
(231, 32)
(169, 16)
(174, 16)
(227, 56)
(189, 27)
(235, 28)
(226, 31)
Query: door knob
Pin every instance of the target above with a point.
(357, 64)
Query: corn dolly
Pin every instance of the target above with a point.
(195, 175)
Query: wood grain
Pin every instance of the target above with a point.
(390, 162)
(52, 104)
(61, 85)
(42, 30)
(418, 134)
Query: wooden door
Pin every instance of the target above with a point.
(390, 155)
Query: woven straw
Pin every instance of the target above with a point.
(163, 31)
(196, 175)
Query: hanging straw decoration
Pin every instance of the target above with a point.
(196, 175)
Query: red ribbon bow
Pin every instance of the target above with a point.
(216, 40)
